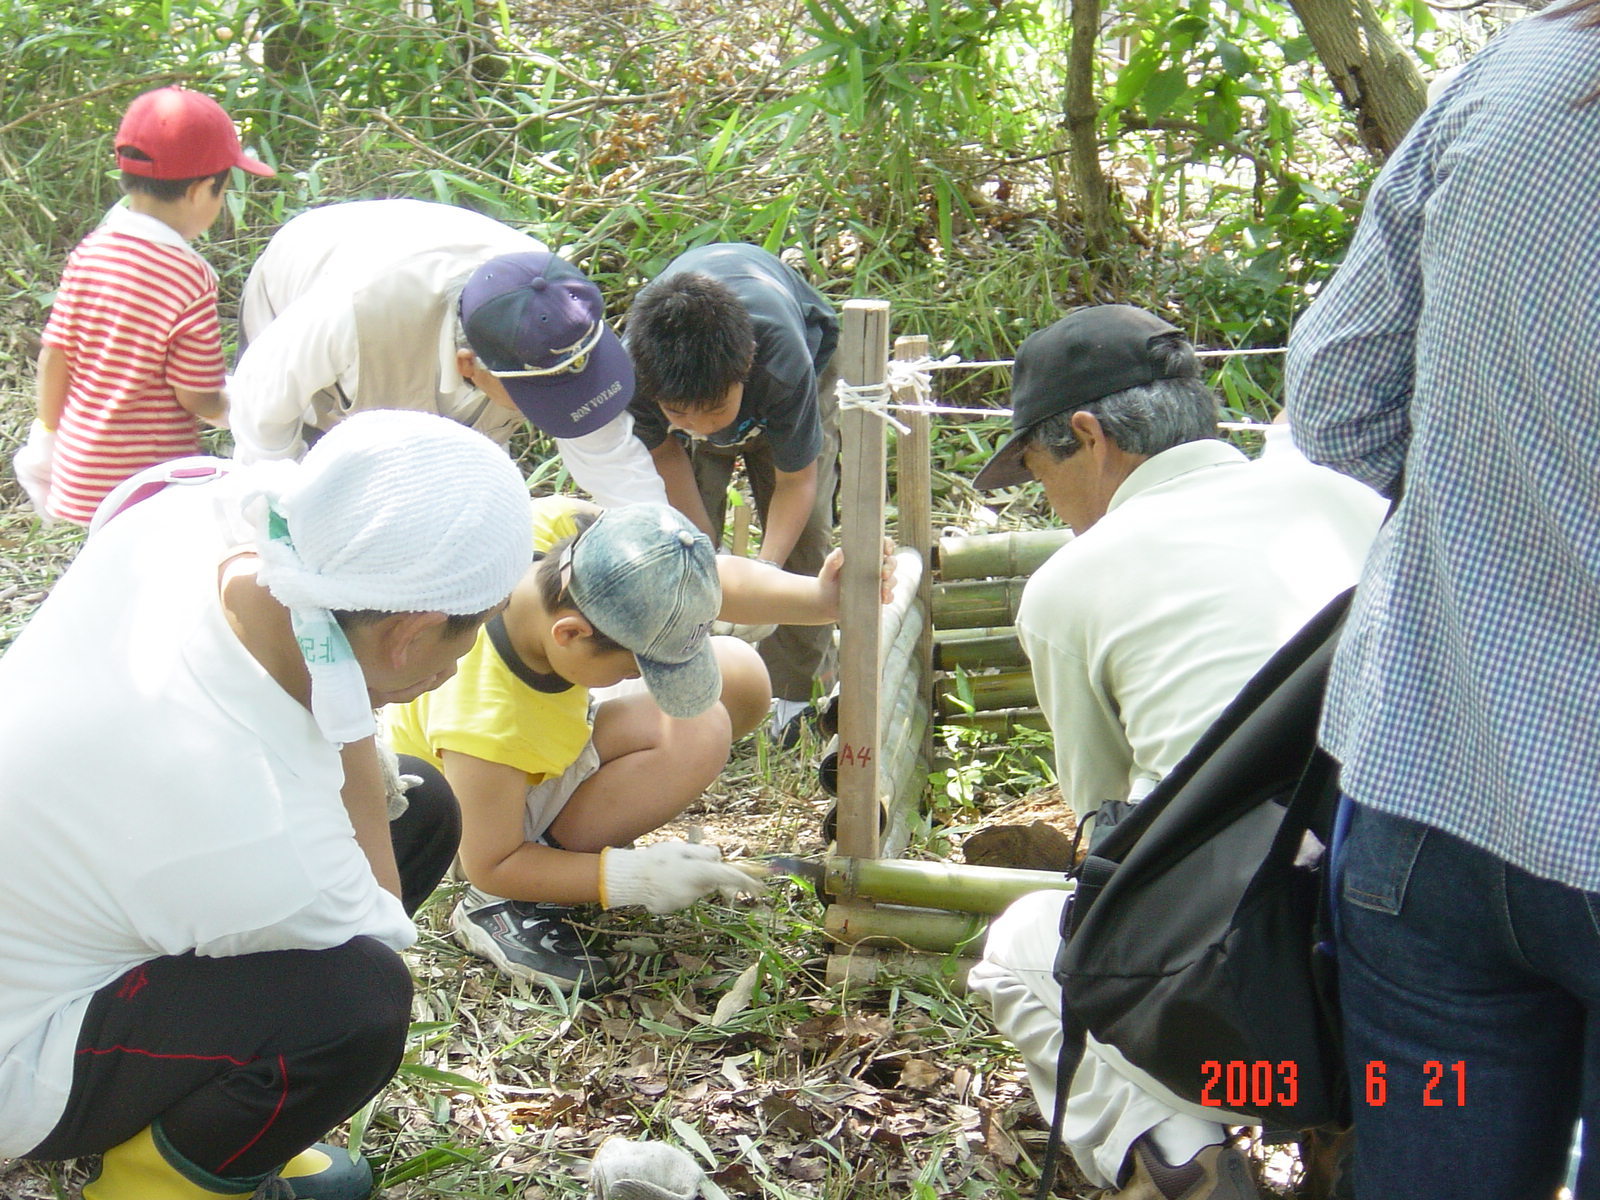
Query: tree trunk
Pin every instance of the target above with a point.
(1378, 80)
(1082, 112)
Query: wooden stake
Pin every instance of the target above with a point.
(863, 354)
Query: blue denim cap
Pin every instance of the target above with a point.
(645, 577)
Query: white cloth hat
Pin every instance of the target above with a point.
(390, 512)
(398, 512)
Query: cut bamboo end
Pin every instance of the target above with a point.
(867, 967)
(1000, 722)
(991, 555)
(912, 928)
(967, 603)
(1004, 689)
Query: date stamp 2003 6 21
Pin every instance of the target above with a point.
(1263, 1084)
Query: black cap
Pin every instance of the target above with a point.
(1084, 357)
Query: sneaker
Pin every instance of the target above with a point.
(320, 1173)
(789, 718)
(530, 941)
(1216, 1173)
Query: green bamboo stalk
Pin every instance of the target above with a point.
(967, 603)
(990, 555)
(947, 886)
(976, 631)
(918, 928)
(979, 653)
(1005, 689)
(1002, 722)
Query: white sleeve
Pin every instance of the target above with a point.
(612, 465)
(311, 346)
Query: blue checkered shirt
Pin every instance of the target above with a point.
(1460, 344)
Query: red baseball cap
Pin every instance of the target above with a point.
(181, 135)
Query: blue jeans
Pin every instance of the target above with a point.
(1470, 993)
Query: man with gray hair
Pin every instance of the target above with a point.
(1191, 564)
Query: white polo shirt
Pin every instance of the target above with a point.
(1142, 629)
(159, 793)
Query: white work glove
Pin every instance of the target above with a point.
(395, 785)
(32, 465)
(627, 1170)
(668, 876)
(754, 634)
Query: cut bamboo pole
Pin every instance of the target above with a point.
(868, 968)
(899, 672)
(952, 887)
(1001, 722)
(1004, 689)
(863, 355)
(998, 555)
(971, 602)
(902, 604)
(917, 928)
(975, 631)
(979, 653)
(914, 499)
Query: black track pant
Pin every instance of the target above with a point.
(248, 1060)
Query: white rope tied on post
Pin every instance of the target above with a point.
(872, 398)
(916, 376)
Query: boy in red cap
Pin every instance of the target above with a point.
(132, 354)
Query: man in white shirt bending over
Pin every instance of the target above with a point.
(407, 304)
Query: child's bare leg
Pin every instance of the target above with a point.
(746, 686)
(651, 768)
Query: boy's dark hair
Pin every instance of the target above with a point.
(455, 624)
(166, 189)
(690, 339)
(554, 593)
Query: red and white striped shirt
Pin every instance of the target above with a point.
(135, 317)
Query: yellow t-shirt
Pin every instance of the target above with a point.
(484, 710)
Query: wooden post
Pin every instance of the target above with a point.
(863, 355)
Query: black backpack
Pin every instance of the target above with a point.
(1194, 944)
